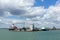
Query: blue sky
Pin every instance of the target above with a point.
(45, 3)
(40, 12)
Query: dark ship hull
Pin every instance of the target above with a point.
(11, 29)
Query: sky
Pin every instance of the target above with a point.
(43, 13)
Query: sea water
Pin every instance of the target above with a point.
(40, 35)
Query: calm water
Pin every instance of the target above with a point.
(42, 35)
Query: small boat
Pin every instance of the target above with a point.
(44, 29)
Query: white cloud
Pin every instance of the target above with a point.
(33, 12)
(16, 3)
(24, 9)
(14, 6)
(58, 3)
(52, 16)
(53, 12)
(10, 21)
